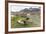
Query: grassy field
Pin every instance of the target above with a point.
(35, 21)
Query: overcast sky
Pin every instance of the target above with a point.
(17, 7)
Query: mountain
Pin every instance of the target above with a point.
(26, 11)
(30, 10)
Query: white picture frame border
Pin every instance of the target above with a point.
(24, 29)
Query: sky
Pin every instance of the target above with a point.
(17, 7)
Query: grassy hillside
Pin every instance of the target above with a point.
(35, 21)
(33, 15)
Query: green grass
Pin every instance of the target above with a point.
(35, 21)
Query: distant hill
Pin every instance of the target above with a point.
(31, 10)
(26, 10)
